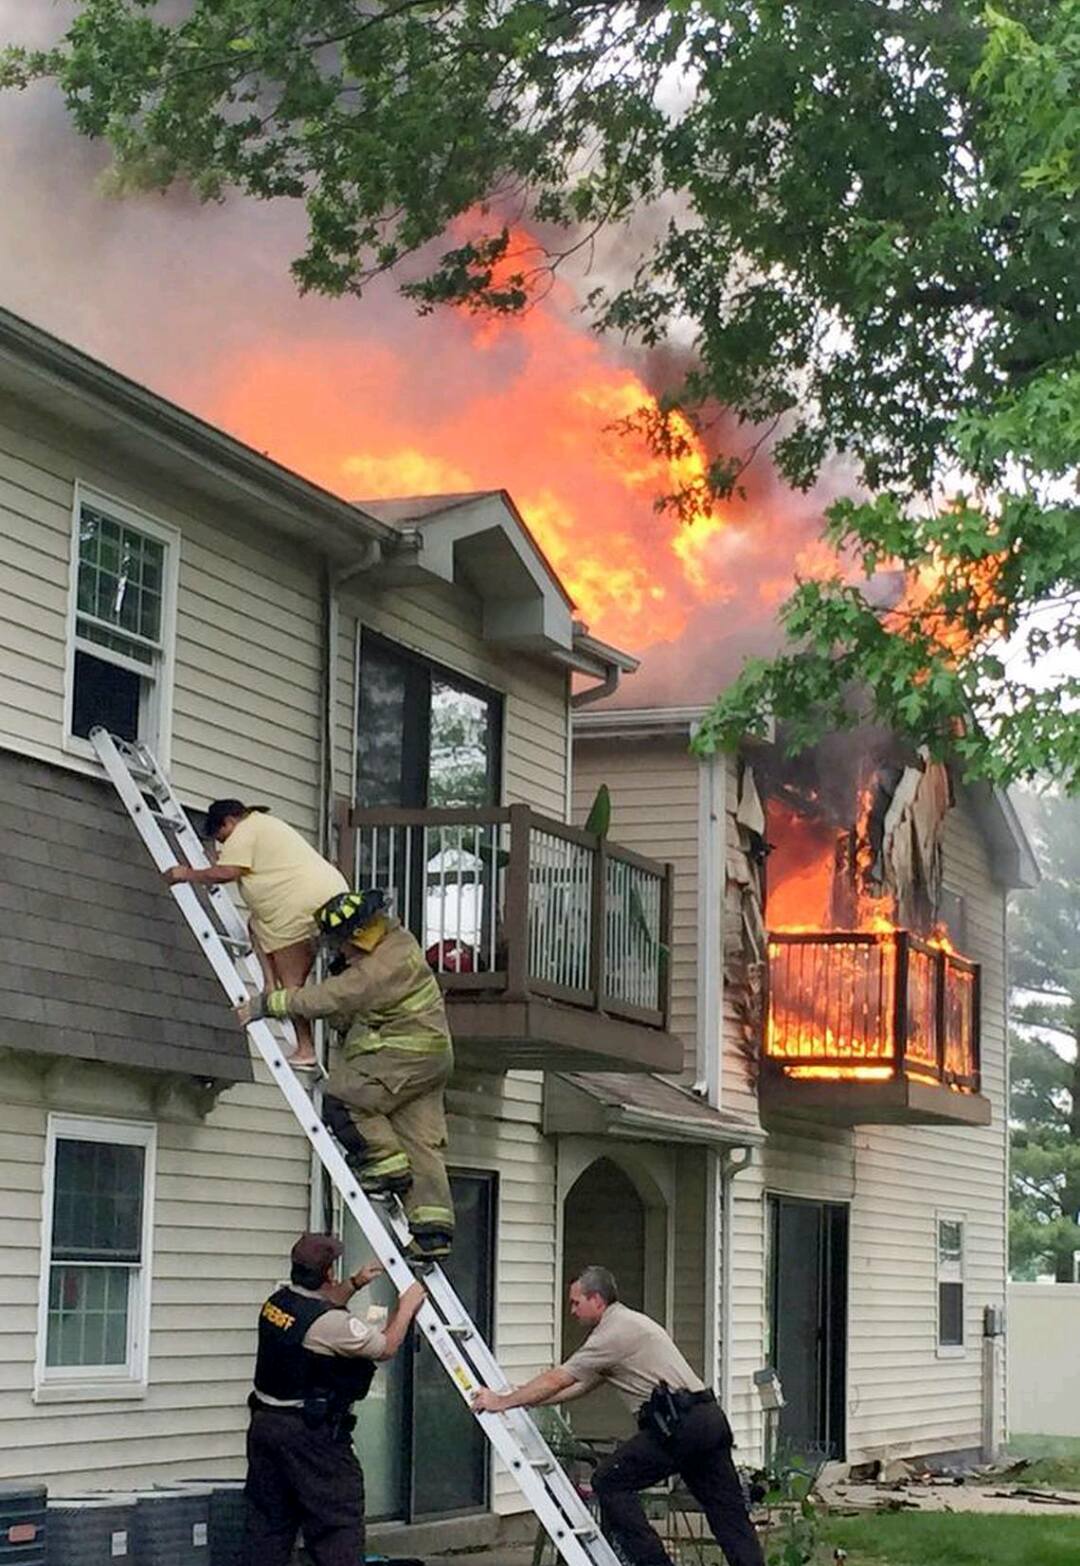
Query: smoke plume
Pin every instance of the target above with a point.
(371, 400)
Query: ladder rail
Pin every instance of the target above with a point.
(454, 1339)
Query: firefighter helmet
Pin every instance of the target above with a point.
(348, 912)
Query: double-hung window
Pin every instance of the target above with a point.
(94, 1312)
(122, 621)
(950, 1285)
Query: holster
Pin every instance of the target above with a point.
(661, 1413)
(316, 1412)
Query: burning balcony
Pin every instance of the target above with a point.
(551, 943)
(866, 1027)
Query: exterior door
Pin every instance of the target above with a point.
(421, 1450)
(808, 1319)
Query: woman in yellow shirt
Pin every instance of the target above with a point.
(282, 880)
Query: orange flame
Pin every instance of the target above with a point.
(524, 404)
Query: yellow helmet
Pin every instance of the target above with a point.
(347, 912)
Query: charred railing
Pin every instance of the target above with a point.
(853, 1006)
(513, 903)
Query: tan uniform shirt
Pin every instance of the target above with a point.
(337, 1332)
(284, 879)
(634, 1354)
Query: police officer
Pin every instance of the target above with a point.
(681, 1427)
(385, 1097)
(315, 1359)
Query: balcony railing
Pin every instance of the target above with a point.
(517, 905)
(852, 1007)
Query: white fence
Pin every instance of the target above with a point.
(1044, 1359)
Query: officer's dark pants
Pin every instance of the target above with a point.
(700, 1451)
(301, 1480)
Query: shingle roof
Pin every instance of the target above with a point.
(95, 959)
(644, 1097)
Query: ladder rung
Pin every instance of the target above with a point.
(543, 1465)
(461, 1329)
(585, 1533)
(175, 822)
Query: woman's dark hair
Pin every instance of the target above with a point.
(220, 811)
(306, 1277)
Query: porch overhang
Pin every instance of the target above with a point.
(639, 1108)
(898, 1102)
(534, 1034)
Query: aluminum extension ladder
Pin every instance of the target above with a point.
(163, 825)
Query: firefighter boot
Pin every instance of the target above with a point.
(429, 1244)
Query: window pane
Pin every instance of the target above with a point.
(104, 694)
(950, 1240)
(381, 742)
(461, 764)
(951, 1315)
(116, 641)
(97, 1210)
(120, 572)
(88, 1316)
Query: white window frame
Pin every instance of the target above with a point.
(944, 1274)
(79, 1383)
(155, 708)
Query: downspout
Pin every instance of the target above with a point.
(709, 1048)
(712, 889)
(732, 1162)
(332, 581)
(607, 687)
(568, 792)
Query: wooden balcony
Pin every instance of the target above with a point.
(871, 1029)
(551, 944)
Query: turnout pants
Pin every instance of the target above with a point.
(395, 1100)
(301, 1480)
(700, 1452)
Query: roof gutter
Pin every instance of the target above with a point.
(658, 1126)
(603, 660)
(185, 434)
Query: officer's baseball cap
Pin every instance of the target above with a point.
(317, 1251)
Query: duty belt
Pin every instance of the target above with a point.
(664, 1410)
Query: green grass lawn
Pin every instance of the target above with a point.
(905, 1539)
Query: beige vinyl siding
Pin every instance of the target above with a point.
(903, 1397)
(231, 1194)
(248, 655)
(444, 624)
(815, 1162)
(654, 810)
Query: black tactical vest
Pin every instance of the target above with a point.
(290, 1373)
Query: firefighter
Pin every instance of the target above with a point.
(384, 1098)
(681, 1427)
(314, 1360)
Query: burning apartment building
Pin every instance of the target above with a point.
(839, 964)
